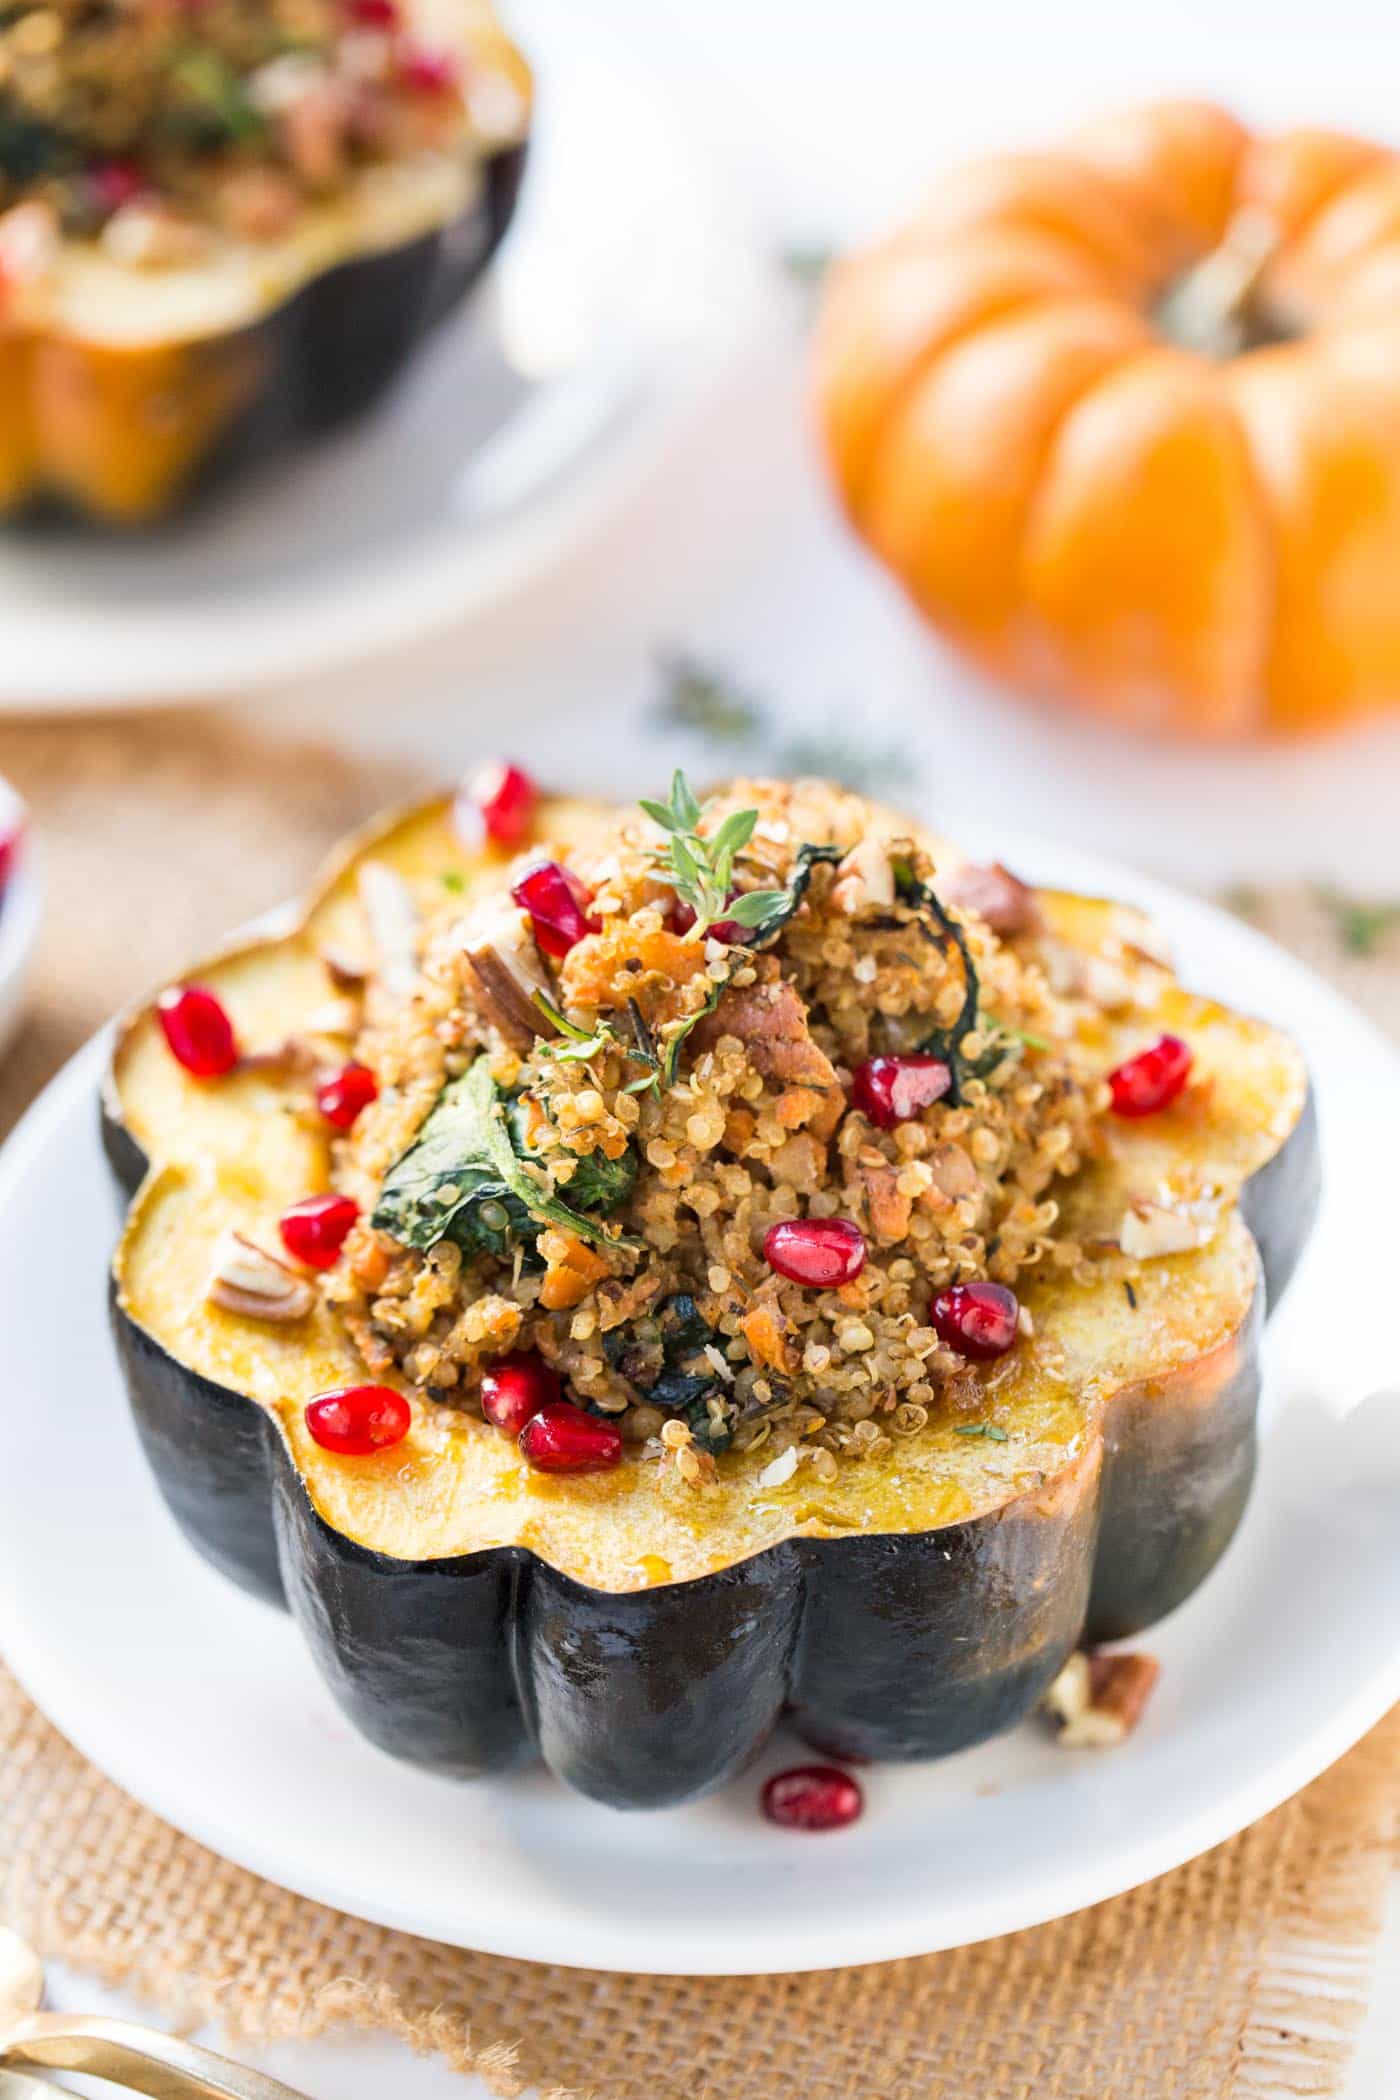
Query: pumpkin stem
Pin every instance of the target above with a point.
(1216, 308)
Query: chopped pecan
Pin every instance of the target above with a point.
(250, 1281)
(1098, 1700)
(770, 1020)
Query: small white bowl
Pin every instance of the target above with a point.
(21, 898)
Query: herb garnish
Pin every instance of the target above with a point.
(701, 868)
(1130, 1294)
(1361, 923)
(989, 1430)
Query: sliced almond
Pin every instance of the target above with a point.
(1150, 1229)
(251, 1282)
(345, 973)
(865, 878)
(780, 1469)
(393, 926)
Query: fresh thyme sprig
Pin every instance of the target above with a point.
(1361, 923)
(702, 869)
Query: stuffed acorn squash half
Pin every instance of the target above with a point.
(635, 1274)
(224, 226)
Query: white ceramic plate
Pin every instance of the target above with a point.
(203, 1704)
(627, 285)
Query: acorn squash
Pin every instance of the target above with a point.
(125, 388)
(470, 1614)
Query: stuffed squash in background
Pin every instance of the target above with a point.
(640, 1273)
(226, 226)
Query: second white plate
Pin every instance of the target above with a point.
(204, 1704)
(627, 285)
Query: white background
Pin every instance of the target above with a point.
(827, 115)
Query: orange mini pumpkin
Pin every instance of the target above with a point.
(1124, 418)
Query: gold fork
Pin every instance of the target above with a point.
(141, 2059)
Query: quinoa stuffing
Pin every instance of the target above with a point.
(158, 129)
(737, 1127)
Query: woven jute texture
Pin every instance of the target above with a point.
(1241, 1974)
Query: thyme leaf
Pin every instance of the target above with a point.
(702, 868)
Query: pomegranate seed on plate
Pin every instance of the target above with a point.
(812, 1797)
(314, 1230)
(561, 1438)
(198, 1030)
(358, 1419)
(10, 843)
(558, 905)
(341, 1097)
(516, 1388)
(1143, 1084)
(498, 799)
(976, 1319)
(892, 1090)
(820, 1252)
(429, 72)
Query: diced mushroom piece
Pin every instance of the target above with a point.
(251, 1282)
(995, 895)
(865, 878)
(393, 926)
(501, 953)
(1150, 1229)
(1098, 1700)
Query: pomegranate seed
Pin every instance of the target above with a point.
(976, 1319)
(314, 1230)
(515, 1389)
(1143, 1084)
(357, 1419)
(561, 1438)
(812, 1797)
(112, 183)
(820, 1252)
(499, 799)
(10, 843)
(892, 1090)
(199, 1032)
(557, 903)
(428, 72)
(341, 1097)
(374, 14)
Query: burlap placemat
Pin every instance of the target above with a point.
(1242, 1974)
